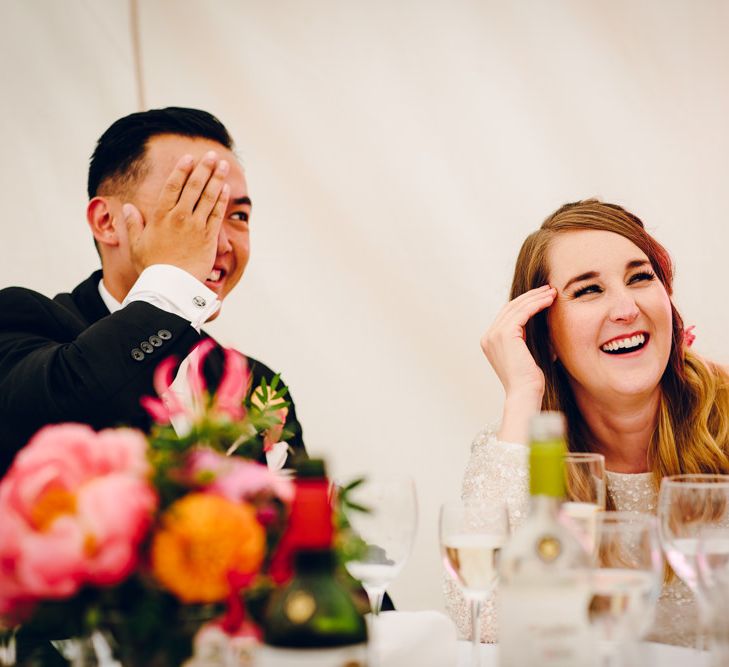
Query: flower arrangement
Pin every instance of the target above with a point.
(147, 538)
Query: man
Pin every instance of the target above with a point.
(169, 212)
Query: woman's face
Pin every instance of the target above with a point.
(610, 324)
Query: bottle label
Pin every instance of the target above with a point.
(545, 626)
(354, 655)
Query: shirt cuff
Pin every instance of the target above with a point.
(173, 289)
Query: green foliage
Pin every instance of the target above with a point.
(217, 431)
(349, 545)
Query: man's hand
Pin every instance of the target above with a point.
(183, 228)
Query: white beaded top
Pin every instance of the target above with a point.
(498, 471)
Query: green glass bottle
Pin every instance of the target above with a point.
(544, 588)
(312, 620)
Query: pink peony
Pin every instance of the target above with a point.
(74, 507)
(236, 478)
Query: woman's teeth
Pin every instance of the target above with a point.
(625, 344)
(214, 275)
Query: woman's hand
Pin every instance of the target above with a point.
(505, 347)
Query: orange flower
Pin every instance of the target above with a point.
(203, 538)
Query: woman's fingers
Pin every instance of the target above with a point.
(504, 346)
(525, 306)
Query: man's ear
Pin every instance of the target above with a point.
(103, 221)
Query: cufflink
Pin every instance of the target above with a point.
(200, 301)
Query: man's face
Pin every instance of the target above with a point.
(161, 156)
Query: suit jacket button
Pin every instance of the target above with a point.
(155, 340)
(146, 346)
(164, 334)
(137, 354)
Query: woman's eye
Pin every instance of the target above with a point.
(641, 276)
(587, 289)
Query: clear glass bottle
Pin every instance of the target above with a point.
(544, 572)
(312, 620)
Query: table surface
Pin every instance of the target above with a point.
(428, 639)
(650, 655)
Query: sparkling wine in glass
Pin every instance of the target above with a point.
(626, 581)
(586, 495)
(471, 537)
(388, 531)
(688, 505)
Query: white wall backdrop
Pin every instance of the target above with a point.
(397, 153)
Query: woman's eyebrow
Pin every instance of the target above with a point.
(635, 263)
(589, 275)
(583, 276)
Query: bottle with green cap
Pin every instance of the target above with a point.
(544, 587)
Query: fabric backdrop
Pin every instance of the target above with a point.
(397, 153)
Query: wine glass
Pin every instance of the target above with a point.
(586, 494)
(626, 581)
(687, 505)
(387, 528)
(712, 560)
(471, 537)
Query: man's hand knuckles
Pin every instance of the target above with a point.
(178, 215)
(208, 199)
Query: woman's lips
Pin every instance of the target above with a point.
(621, 345)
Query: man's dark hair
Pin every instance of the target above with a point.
(119, 153)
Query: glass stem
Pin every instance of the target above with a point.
(375, 595)
(475, 632)
(7, 647)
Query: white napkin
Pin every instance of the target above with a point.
(422, 638)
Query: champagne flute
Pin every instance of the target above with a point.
(687, 505)
(388, 531)
(471, 537)
(626, 581)
(586, 495)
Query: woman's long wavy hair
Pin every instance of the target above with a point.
(692, 428)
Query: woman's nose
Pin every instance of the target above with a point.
(624, 308)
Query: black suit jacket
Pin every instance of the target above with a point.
(69, 359)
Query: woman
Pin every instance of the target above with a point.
(591, 331)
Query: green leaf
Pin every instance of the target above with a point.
(353, 484)
(357, 507)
